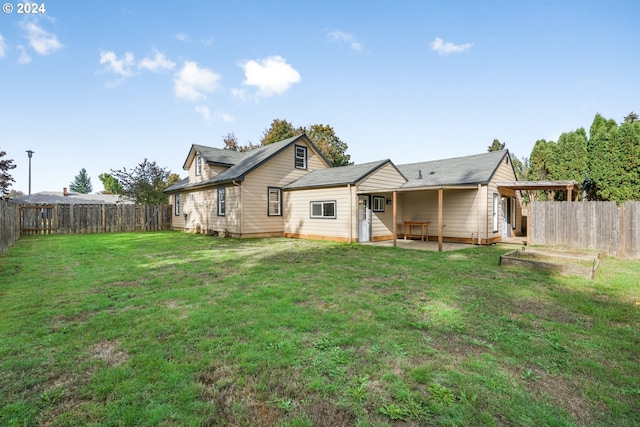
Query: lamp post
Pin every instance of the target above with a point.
(30, 154)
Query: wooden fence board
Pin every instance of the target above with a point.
(9, 224)
(602, 226)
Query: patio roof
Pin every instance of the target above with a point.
(572, 187)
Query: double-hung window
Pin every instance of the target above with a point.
(221, 201)
(324, 209)
(198, 165)
(177, 204)
(301, 157)
(496, 206)
(275, 201)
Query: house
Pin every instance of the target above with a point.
(290, 189)
(65, 197)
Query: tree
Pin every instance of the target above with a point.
(81, 183)
(541, 157)
(331, 147)
(279, 130)
(631, 118)
(231, 143)
(174, 178)
(144, 183)
(110, 184)
(15, 193)
(570, 161)
(496, 145)
(5, 178)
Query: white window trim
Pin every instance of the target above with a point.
(322, 204)
(496, 207)
(513, 213)
(303, 158)
(270, 191)
(198, 165)
(222, 201)
(176, 201)
(378, 204)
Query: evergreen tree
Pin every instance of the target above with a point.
(81, 183)
(496, 145)
(110, 184)
(5, 178)
(570, 157)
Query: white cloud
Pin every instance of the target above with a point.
(24, 57)
(183, 37)
(227, 118)
(443, 48)
(272, 75)
(41, 41)
(339, 36)
(121, 66)
(158, 63)
(205, 112)
(192, 82)
(3, 47)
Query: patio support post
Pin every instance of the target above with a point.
(395, 219)
(440, 218)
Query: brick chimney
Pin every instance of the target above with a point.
(64, 191)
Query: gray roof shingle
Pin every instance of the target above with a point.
(240, 163)
(336, 176)
(475, 169)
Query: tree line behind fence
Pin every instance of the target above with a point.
(17, 220)
(601, 226)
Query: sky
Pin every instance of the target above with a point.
(102, 85)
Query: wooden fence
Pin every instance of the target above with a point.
(9, 224)
(18, 220)
(81, 218)
(602, 226)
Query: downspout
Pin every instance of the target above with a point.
(480, 214)
(237, 184)
(350, 214)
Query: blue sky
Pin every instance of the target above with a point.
(104, 84)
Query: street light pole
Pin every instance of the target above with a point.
(30, 154)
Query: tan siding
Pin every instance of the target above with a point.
(382, 222)
(276, 172)
(208, 171)
(385, 177)
(297, 220)
(460, 208)
(177, 221)
(504, 172)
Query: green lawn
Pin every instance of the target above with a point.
(174, 329)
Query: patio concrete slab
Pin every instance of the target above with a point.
(420, 245)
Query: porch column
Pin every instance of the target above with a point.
(440, 218)
(569, 195)
(395, 219)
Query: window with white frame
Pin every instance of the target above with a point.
(378, 204)
(324, 209)
(177, 204)
(221, 201)
(275, 201)
(301, 157)
(513, 213)
(496, 207)
(198, 165)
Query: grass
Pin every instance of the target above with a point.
(176, 329)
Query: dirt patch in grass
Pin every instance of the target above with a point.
(109, 352)
(564, 393)
(542, 310)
